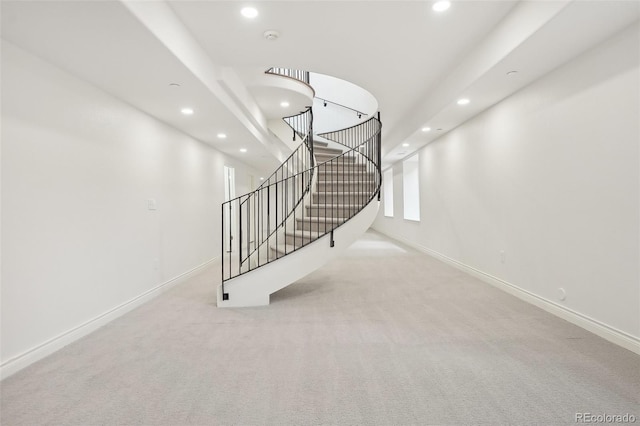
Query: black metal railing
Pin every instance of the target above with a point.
(303, 201)
(248, 221)
(352, 136)
(287, 72)
(302, 125)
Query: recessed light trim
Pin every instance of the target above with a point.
(441, 6)
(512, 73)
(405, 144)
(187, 111)
(271, 35)
(249, 12)
(463, 101)
(222, 135)
(426, 129)
(284, 104)
(243, 149)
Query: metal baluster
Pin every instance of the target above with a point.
(268, 217)
(230, 240)
(240, 239)
(222, 248)
(249, 233)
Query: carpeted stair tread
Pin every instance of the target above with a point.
(325, 150)
(330, 206)
(321, 219)
(347, 193)
(350, 182)
(346, 172)
(334, 159)
(305, 234)
(283, 248)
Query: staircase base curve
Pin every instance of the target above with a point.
(255, 289)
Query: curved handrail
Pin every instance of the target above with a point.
(285, 209)
(350, 135)
(327, 101)
(358, 169)
(370, 189)
(297, 199)
(299, 75)
(243, 208)
(298, 123)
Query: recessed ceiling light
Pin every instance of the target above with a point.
(261, 178)
(187, 111)
(271, 35)
(512, 73)
(249, 12)
(463, 101)
(222, 136)
(174, 84)
(243, 149)
(405, 145)
(426, 129)
(284, 104)
(441, 6)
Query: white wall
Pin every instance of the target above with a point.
(78, 167)
(411, 187)
(334, 117)
(387, 192)
(550, 176)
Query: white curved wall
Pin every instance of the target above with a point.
(256, 287)
(333, 117)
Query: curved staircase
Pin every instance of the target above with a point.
(307, 212)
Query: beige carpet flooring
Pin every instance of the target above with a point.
(383, 336)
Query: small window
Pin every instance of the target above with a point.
(411, 188)
(387, 190)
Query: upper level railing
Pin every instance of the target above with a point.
(287, 72)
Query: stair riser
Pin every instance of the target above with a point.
(323, 158)
(328, 212)
(341, 166)
(319, 150)
(342, 198)
(329, 186)
(298, 240)
(315, 226)
(345, 175)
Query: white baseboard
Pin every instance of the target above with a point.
(596, 327)
(27, 358)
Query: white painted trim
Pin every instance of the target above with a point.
(596, 327)
(45, 349)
